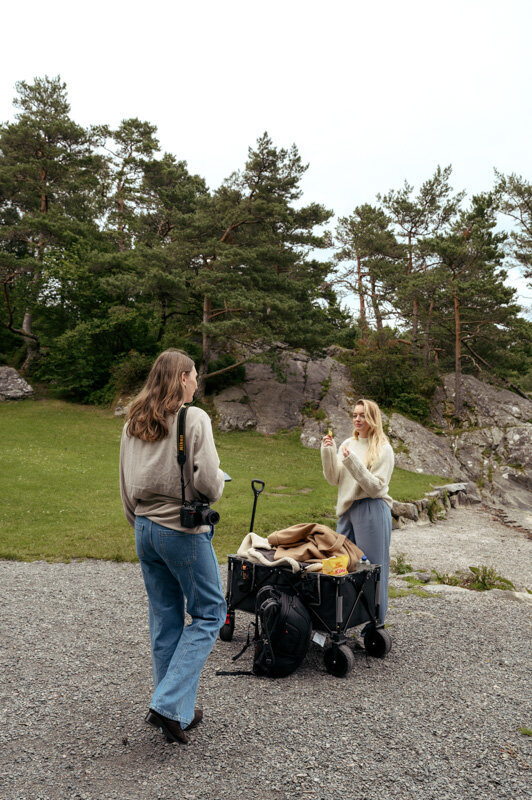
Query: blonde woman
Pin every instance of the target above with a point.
(178, 564)
(362, 471)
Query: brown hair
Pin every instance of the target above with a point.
(376, 436)
(160, 397)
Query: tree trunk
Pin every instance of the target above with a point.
(415, 309)
(426, 346)
(121, 206)
(206, 344)
(458, 402)
(375, 304)
(363, 318)
(31, 344)
(415, 317)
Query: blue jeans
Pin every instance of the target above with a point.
(178, 567)
(368, 523)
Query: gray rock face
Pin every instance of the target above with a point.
(336, 404)
(419, 450)
(12, 386)
(494, 443)
(235, 412)
(484, 405)
(313, 395)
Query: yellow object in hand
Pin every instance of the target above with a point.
(329, 433)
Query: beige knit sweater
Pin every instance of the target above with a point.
(354, 480)
(150, 483)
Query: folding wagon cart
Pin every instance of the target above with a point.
(335, 602)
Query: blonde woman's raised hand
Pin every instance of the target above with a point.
(327, 441)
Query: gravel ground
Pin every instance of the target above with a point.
(439, 717)
(468, 537)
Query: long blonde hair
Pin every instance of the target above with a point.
(376, 436)
(160, 397)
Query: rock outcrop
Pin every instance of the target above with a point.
(491, 446)
(420, 450)
(12, 386)
(493, 440)
(314, 394)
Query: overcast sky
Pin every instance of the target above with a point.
(372, 93)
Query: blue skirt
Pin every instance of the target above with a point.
(368, 523)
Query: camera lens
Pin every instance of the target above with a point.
(213, 516)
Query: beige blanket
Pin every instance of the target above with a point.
(254, 546)
(309, 541)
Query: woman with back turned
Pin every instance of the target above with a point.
(178, 565)
(362, 472)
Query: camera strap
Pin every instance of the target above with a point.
(181, 451)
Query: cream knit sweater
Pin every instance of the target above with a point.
(150, 479)
(353, 479)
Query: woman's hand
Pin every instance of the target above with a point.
(345, 451)
(327, 441)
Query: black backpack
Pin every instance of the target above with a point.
(282, 633)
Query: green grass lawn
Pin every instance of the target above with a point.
(59, 484)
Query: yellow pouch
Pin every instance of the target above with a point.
(337, 565)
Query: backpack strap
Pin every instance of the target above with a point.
(235, 658)
(265, 607)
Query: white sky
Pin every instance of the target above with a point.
(372, 93)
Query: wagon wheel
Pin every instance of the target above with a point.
(339, 660)
(228, 628)
(378, 642)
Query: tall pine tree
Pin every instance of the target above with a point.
(48, 179)
(252, 271)
(416, 218)
(474, 305)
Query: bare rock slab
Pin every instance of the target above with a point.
(484, 405)
(420, 450)
(12, 386)
(311, 393)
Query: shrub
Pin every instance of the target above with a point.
(386, 371)
(412, 405)
(435, 510)
(81, 360)
(312, 409)
(478, 579)
(399, 564)
(131, 372)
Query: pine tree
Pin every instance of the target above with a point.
(48, 176)
(473, 303)
(252, 270)
(129, 149)
(417, 218)
(516, 201)
(370, 257)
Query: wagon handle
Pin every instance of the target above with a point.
(257, 487)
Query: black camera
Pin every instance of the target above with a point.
(195, 513)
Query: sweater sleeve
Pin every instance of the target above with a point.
(127, 502)
(373, 480)
(331, 467)
(208, 477)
